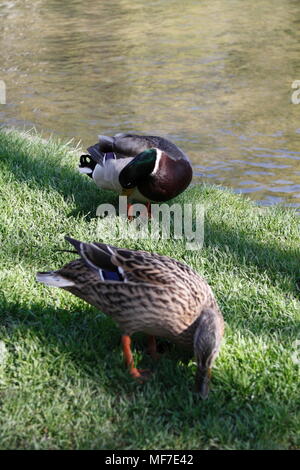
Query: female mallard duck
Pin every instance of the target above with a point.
(145, 168)
(147, 293)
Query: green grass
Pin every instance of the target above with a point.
(63, 384)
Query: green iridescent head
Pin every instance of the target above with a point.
(138, 169)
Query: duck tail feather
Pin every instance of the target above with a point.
(54, 279)
(96, 154)
(76, 243)
(106, 144)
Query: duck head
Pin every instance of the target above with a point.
(139, 168)
(207, 341)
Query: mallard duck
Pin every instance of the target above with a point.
(145, 168)
(149, 293)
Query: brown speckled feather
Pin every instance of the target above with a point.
(149, 293)
(158, 296)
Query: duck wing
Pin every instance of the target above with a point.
(132, 144)
(146, 271)
(132, 266)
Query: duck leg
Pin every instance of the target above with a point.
(148, 205)
(152, 348)
(129, 211)
(136, 373)
(146, 213)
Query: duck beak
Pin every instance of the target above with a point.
(202, 382)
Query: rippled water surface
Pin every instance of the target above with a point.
(215, 76)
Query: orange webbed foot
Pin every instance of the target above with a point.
(141, 375)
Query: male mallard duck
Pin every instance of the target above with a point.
(145, 168)
(149, 293)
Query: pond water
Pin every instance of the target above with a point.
(214, 76)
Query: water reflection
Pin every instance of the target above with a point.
(213, 76)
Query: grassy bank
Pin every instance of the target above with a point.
(62, 379)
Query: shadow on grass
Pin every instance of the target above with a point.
(44, 173)
(48, 173)
(266, 257)
(92, 341)
(269, 257)
(92, 344)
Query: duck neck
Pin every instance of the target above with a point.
(207, 339)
